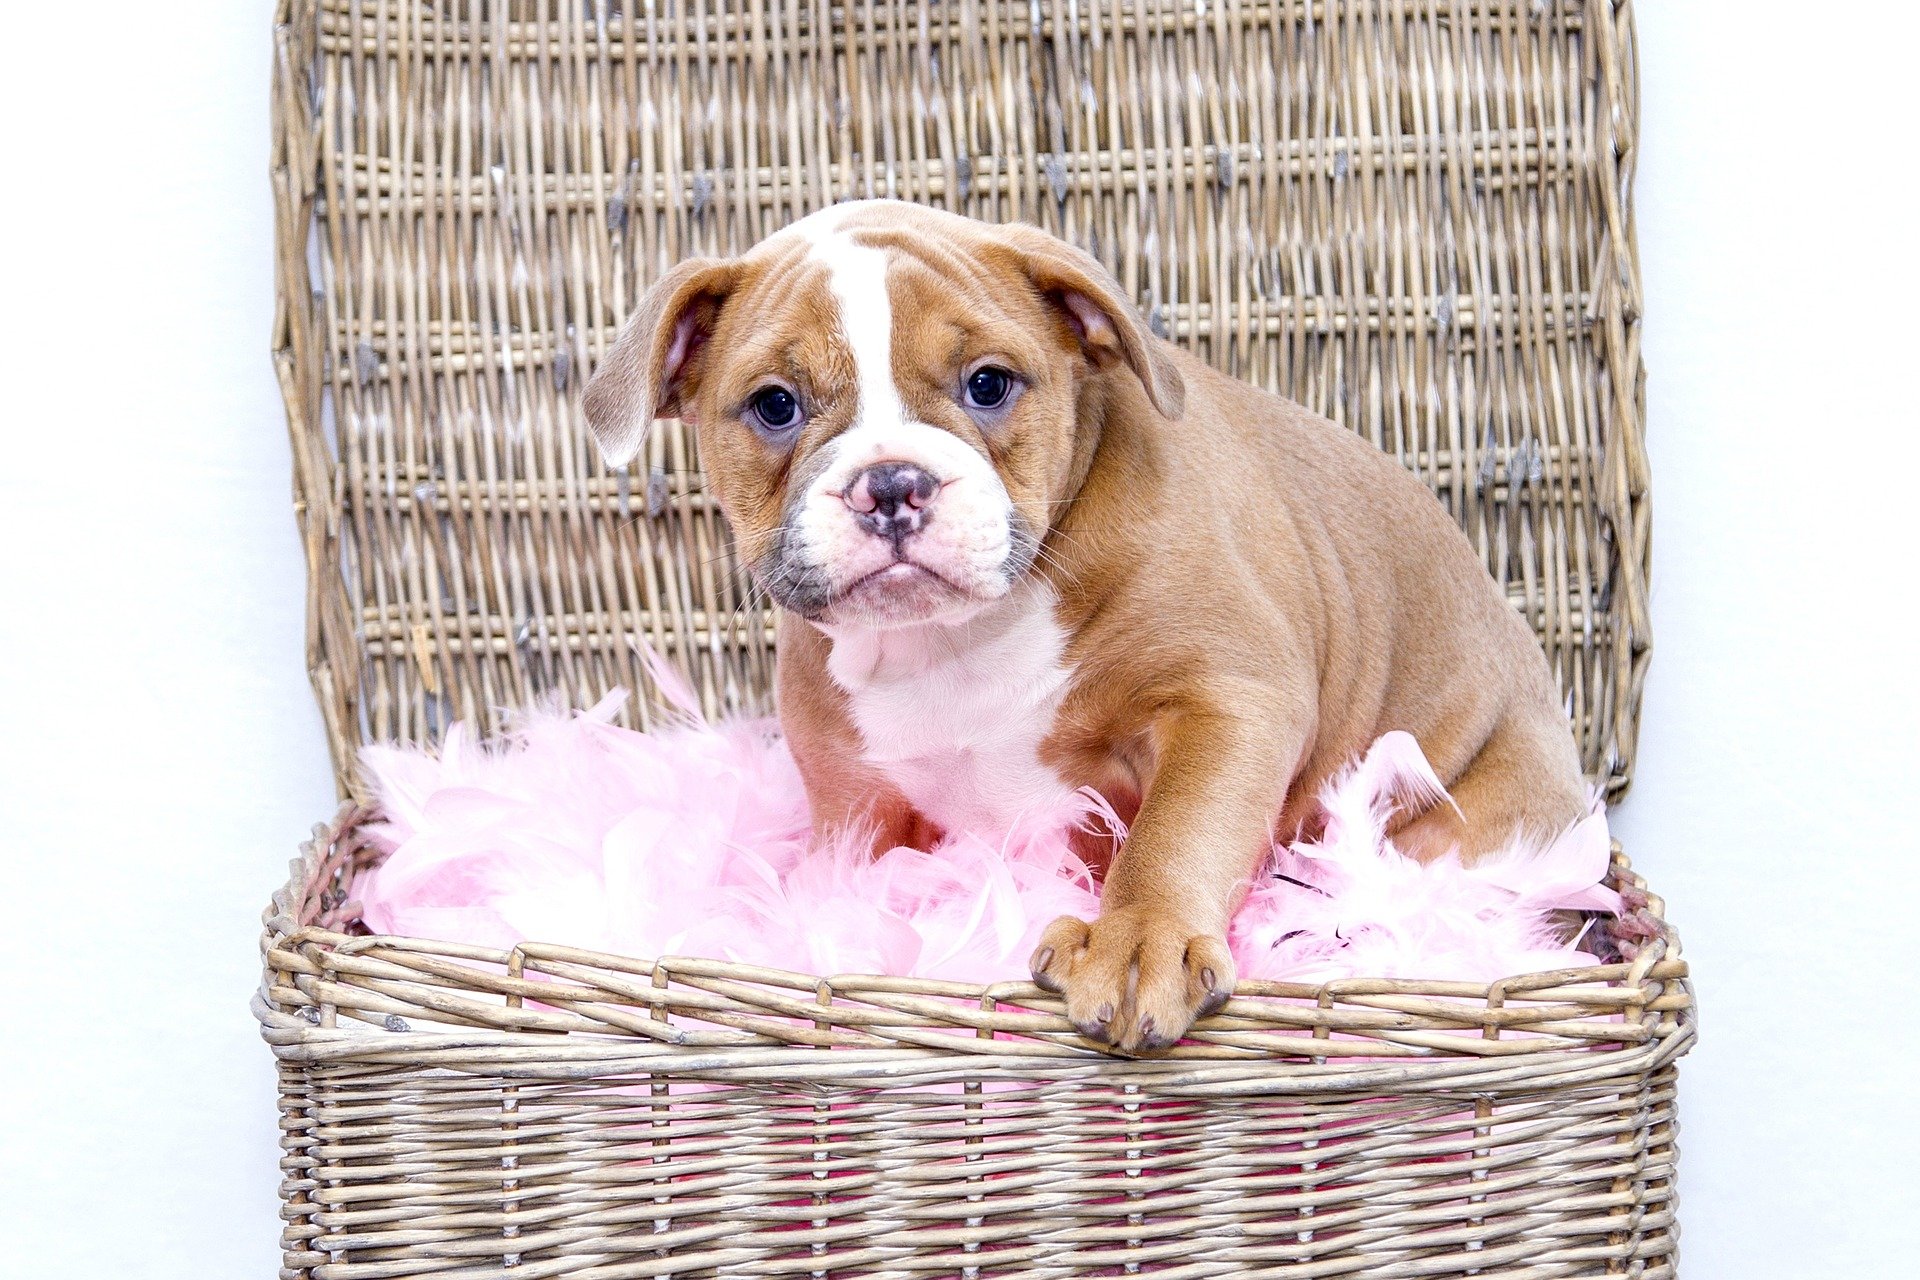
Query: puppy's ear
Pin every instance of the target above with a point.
(1104, 320)
(648, 371)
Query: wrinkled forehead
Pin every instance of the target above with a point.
(779, 312)
(862, 288)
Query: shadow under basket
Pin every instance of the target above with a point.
(453, 1110)
(1414, 219)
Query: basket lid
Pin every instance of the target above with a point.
(1416, 223)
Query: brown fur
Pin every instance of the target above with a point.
(1253, 594)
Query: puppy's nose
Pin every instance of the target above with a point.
(890, 498)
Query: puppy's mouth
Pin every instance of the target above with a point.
(902, 570)
(867, 582)
(899, 593)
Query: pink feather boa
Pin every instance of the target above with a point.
(695, 841)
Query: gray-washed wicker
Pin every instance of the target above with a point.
(1413, 215)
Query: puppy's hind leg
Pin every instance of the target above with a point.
(1524, 782)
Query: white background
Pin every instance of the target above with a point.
(163, 755)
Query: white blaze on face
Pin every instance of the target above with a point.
(857, 277)
(968, 533)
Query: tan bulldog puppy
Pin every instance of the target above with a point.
(1021, 546)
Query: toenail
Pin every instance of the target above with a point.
(1103, 1014)
(1042, 958)
(1208, 978)
(1146, 1025)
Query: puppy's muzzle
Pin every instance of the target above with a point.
(891, 500)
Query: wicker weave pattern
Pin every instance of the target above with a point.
(1410, 217)
(1104, 1175)
(549, 1111)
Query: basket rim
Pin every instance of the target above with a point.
(331, 995)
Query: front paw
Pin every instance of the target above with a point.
(1133, 979)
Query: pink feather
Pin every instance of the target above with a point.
(694, 839)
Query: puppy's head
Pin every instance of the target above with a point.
(891, 401)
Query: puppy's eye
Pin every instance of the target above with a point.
(777, 408)
(988, 387)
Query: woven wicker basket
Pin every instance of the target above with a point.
(1412, 215)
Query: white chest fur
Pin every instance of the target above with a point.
(955, 715)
